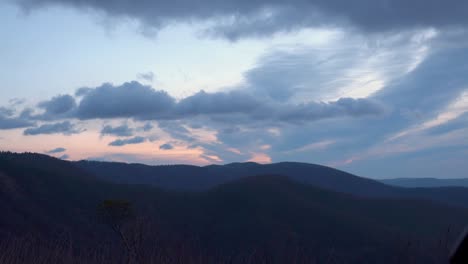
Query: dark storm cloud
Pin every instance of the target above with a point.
(166, 146)
(58, 105)
(121, 131)
(129, 141)
(56, 150)
(65, 128)
(236, 19)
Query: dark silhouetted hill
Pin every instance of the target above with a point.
(38, 192)
(185, 177)
(269, 215)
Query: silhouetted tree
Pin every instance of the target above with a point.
(116, 214)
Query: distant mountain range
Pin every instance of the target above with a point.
(240, 209)
(195, 178)
(426, 182)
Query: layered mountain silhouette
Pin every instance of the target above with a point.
(426, 182)
(195, 178)
(268, 212)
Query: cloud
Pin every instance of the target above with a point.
(234, 20)
(17, 101)
(284, 102)
(460, 122)
(82, 91)
(166, 146)
(134, 100)
(342, 107)
(65, 128)
(13, 123)
(152, 159)
(315, 146)
(260, 158)
(131, 99)
(146, 76)
(6, 112)
(129, 141)
(7, 121)
(121, 131)
(425, 85)
(429, 90)
(58, 105)
(64, 157)
(177, 130)
(147, 127)
(56, 150)
(346, 65)
(217, 103)
(286, 86)
(213, 159)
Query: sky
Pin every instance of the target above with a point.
(377, 88)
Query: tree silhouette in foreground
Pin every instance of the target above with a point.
(116, 214)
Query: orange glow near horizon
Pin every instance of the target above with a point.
(90, 145)
(260, 158)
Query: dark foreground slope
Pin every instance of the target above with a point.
(258, 219)
(185, 177)
(358, 229)
(41, 193)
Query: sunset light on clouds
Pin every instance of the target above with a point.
(213, 83)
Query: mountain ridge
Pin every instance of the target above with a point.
(426, 182)
(272, 213)
(196, 178)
